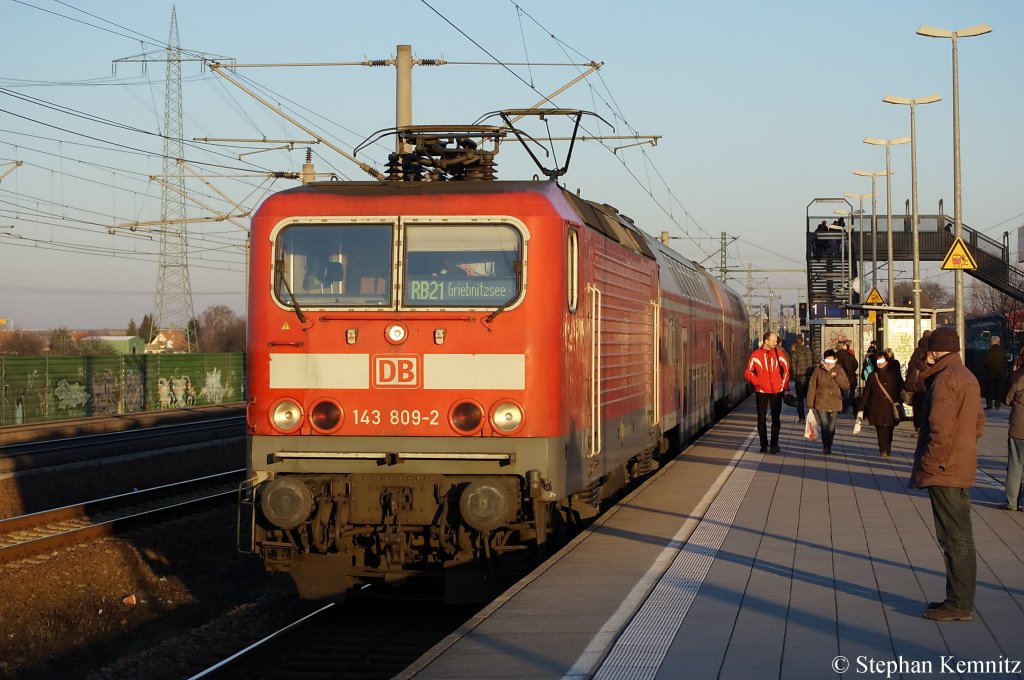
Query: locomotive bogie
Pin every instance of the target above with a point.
(382, 527)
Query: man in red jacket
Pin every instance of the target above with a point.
(768, 371)
(945, 463)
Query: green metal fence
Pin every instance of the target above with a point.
(38, 389)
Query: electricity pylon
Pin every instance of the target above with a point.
(174, 309)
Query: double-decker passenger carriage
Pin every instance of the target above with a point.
(444, 368)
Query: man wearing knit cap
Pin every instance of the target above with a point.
(945, 462)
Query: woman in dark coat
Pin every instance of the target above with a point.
(879, 408)
(915, 392)
(894, 363)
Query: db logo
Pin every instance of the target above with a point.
(401, 370)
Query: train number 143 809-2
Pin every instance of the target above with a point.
(414, 417)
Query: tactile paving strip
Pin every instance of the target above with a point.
(640, 649)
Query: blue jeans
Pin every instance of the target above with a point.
(1014, 471)
(827, 424)
(951, 508)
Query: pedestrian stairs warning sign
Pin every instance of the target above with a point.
(959, 257)
(874, 297)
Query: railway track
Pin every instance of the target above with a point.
(364, 638)
(62, 447)
(43, 532)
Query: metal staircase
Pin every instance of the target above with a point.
(833, 255)
(828, 270)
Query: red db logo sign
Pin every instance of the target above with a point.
(396, 371)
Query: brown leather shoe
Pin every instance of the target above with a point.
(948, 613)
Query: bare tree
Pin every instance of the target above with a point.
(21, 343)
(982, 300)
(933, 295)
(62, 343)
(92, 347)
(219, 329)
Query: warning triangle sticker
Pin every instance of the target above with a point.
(959, 257)
(285, 326)
(874, 297)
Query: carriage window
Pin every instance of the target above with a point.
(334, 265)
(572, 269)
(462, 265)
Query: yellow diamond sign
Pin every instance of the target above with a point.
(959, 257)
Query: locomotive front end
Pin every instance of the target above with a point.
(392, 431)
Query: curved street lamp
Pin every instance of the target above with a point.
(860, 248)
(958, 274)
(874, 221)
(912, 103)
(888, 194)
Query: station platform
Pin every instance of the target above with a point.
(729, 563)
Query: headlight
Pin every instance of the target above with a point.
(325, 416)
(286, 415)
(507, 417)
(467, 417)
(485, 505)
(396, 333)
(286, 502)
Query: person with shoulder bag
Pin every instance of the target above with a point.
(825, 396)
(881, 402)
(1014, 398)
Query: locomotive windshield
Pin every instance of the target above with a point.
(340, 265)
(461, 265)
(351, 265)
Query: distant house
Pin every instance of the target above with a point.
(168, 341)
(123, 344)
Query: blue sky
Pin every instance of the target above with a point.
(761, 107)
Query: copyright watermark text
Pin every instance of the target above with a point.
(888, 668)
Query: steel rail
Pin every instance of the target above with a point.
(41, 532)
(77, 448)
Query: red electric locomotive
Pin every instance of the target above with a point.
(442, 373)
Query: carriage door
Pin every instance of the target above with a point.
(684, 383)
(596, 391)
(713, 374)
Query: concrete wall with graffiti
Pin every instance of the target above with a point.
(37, 389)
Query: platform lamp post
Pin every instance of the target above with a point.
(888, 195)
(874, 221)
(847, 254)
(958, 275)
(912, 103)
(874, 244)
(860, 247)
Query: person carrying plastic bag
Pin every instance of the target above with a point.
(825, 397)
(811, 426)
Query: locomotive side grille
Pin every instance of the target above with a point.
(627, 338)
